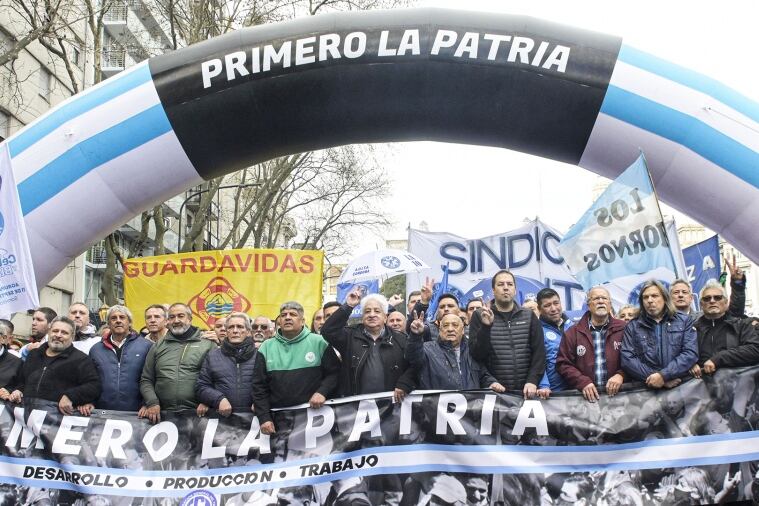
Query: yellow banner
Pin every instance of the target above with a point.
(216, 283)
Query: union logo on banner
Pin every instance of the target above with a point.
(217, 300)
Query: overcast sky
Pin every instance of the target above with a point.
(494, 189)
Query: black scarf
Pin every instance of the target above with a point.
(240, 352)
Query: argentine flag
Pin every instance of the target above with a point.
(622, 234)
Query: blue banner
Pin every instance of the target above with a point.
(621, 234)
(364, 287)
(702, 264)
(440, 289)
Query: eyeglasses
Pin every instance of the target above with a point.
(710, 298)
(261, 326)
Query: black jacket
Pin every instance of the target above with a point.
(438, 367)
(70, 373)
(10, 370)
(727, 341)
(353, 345)
(512, 349)
(224, 376)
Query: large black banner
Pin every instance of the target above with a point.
(380, 76)
(694, 444)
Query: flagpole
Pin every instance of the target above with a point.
(658, 206)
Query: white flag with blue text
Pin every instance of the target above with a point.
(18, 288)
(622, 233)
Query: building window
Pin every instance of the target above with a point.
(76, 56)
(44, 83)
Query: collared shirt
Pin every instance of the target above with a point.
(599, 350)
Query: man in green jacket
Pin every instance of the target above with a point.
(293, 367)
(172, 366)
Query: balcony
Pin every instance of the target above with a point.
(115, 20)
(113, 61)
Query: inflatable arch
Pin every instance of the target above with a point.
(516, 82)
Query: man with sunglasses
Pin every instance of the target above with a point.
(723, 339)
(260, 330)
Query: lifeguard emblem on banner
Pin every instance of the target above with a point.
(217, 300)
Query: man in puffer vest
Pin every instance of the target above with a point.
(226, 376)
(508, 339)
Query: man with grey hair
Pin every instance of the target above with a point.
(373, 354)
(589, 353)
(227, 372)
(293, 367)
(723, 339)
(682, 296)
(58, 374)
(659, 346)
(172, 366)
(119, 358)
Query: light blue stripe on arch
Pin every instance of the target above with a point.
(80, 105)
(90, 154)
(683, 129)
(691, 79)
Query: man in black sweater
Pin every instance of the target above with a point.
(58, 372)
(508, 339)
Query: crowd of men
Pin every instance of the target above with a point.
(257, 364)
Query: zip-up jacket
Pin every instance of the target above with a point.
(222, 376)
(552, 336)
(512, 348)
(70, 373)
(120, 376)
(10, 370)
(353, 346)
(727, 341)
(576, 361)
(171, 370)
(668, 347)
(289, 371)
(439, 369)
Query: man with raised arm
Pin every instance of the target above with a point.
(508, 339)
(373, 354)
(446, 364)
(723, 339)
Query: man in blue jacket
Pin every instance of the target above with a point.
(119, 358)
(554, 323)
(445, 364)
(660, 346)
